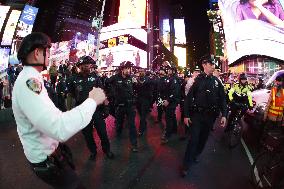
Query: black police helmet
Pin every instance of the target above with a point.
(126, 64)
(86, 60)
(31, 42)
(243, 76)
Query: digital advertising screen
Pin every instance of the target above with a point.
(180, 53)
(132, 11)
(253, 28)
(26, 21)
(10, 27)
(4, 57)
(60, 51)
(3, 14)
(179, 31)
(166, 33)
(115, 55)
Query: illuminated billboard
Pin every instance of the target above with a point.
(3, 13)
(10, 27)
(115, 55)
(253, 33)
(4, 57)
(132, 11)
(179, 31)
(166, 33)
(180, 53)
(26, 21)
(60, 51)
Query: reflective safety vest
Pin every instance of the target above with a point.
(275, 111)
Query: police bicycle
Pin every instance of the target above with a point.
(234, 134)
(268, 168)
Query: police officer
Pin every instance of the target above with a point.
(122, 84)
(61, 90)
(40, 125)
(168, 92)
(144, 90)
(79, 87)
(159, 83)
(240, 99)
(176, 83)
(205, 100)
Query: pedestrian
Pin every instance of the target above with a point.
(204, 102)
(53, 73)
(40, 125)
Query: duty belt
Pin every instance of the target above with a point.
(211, 110)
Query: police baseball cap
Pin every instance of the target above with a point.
(126, 64)
(211, 59)
(30, 43)
(196, 68)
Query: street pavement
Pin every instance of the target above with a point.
(154, 166)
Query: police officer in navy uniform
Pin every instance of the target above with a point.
(61, 91)
(205, 100)
(79, 87)
(168, 92)
(144, 89)
(122, 84)
(40, 125)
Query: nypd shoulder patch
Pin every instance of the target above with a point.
(34, 85)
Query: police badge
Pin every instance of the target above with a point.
(34, 85)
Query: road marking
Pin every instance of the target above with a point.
(251, 161)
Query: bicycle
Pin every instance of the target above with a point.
(235, 133)
(268, 168)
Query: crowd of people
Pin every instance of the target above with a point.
(79, 98)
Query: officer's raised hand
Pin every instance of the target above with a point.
(223, 122)
(98, 95)
(187, 121)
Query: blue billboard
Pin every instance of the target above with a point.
(26, 21)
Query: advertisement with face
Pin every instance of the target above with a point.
(253, 27)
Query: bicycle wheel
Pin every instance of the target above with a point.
(235, 136)
(264, 171)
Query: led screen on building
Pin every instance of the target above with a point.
(115, 55)
(166, 33)
(3, 13)
(180, 53)
(10, 27)
(179, 31)
(132, 11)
(4, 57)
(253, 33)
(26, 21)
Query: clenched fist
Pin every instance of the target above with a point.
(98, 95)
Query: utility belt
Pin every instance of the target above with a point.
(206, 110)
(56, 162)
